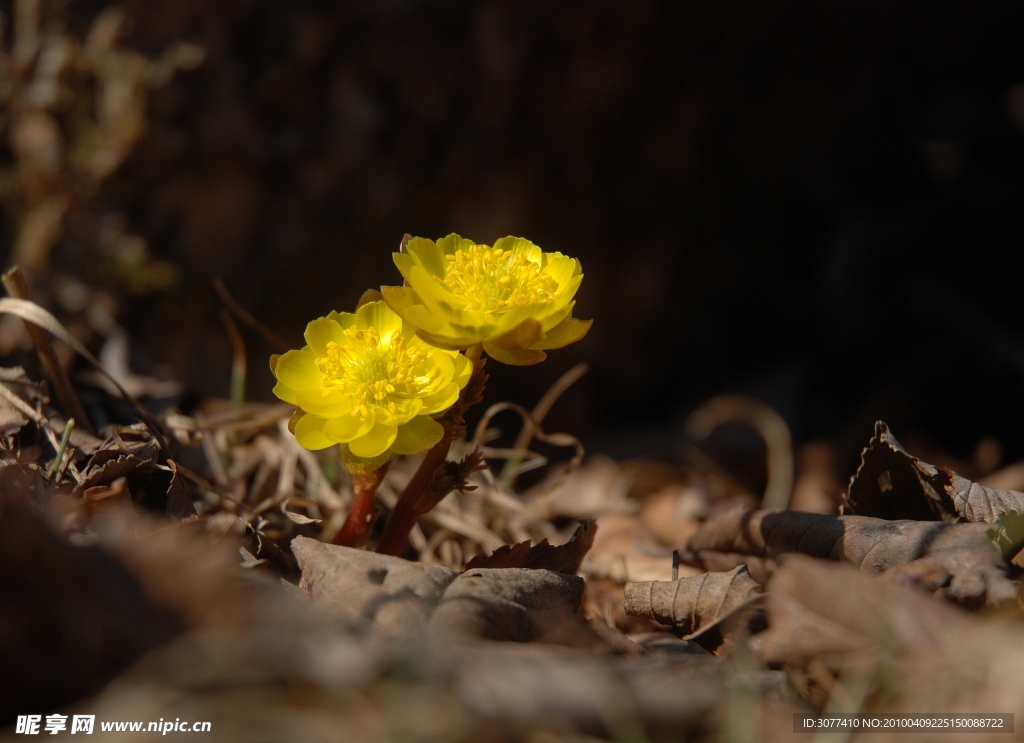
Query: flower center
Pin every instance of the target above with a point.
(375, 374)
(493, 280)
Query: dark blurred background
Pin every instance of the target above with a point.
(820, 205)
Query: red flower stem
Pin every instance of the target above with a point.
(408, 508)
(356, 529)
(419, 496)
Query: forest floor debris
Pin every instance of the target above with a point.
(188, 572)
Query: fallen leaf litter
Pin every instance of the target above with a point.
(199, 557)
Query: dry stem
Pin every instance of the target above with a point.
(435, 477)
(14, 281)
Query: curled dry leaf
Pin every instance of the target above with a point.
(388, 593)
(893, 484)
(760, 568)
(691, 605)
(131, 453)
(127, 450)
(179, 500)
(263, 548)
(957, 561)
(564, 558)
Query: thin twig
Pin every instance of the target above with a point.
(276, 340)
(22, 406)
(209, 487)
(540, 410)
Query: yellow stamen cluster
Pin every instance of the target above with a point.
(492, 280)
(371, 371)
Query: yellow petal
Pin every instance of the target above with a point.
(568, 331)
(567, 290)
(309, 432)
(344, 428)
(559, 267)
(340, 318)
(374, 443)
(403, 412)
(453, 243)
(297, 369)
(512, 318)
(399, 298)
(521, 245)
(426, 253)
(436, 296)
(334, 403)
(344, 319)
(285, 393)
(555, 316)
(423, 319)
(455, 343)
(523, 335)
(378, 315)
(440, 400)
(370, 295)
(463, 370)
(320, 332)
(419, 434)
(404, 302)
(358, 465)
(440, 367)
(513, 347)
(472, 329)
(403, 263)
(514, 356)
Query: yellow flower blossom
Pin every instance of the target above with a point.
(366, 381)
(513, 298)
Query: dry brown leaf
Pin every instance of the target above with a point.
(893, 484)
(828, 611)
(72, 616)
(179, 500)
(673, 513)
(959, 559)
(180, 571)
(391, 594)
(127, 450)
(17, 383)
(564, 558)
(626, 550)
(760, 568)
(540, 682)
(691, 605)
(515, 604)
(597, 487)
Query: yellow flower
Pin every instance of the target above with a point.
(366, 381)
(513, 298)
